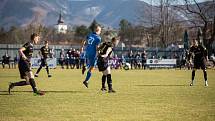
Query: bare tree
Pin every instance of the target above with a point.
(203, 17)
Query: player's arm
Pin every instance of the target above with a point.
(40, 52)
(205, 54)
(190, 52)
(109, 50)
(83, 44)
(22, 54)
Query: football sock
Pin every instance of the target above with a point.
(47, 70)
(39, 70)
(88, 76)
(21, 83)
(205, 75)
(193, 75)
(103, 81)
(109, 81)
(33, 84)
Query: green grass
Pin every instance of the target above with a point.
(151, 95)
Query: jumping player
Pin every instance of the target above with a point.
(105, 51)
(24, 65)
(91, 44)
(44, 53)
(199, 54)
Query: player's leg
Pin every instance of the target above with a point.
(193, 76)
(23, 68)
(83, 66)
(203, 67)
(91, 62)
(109, 80)
(89, 74)
(47, 70)
(205, 77)
(2, 64)
(20, 83)
(33, 84)
(104, 76)
(41, 66)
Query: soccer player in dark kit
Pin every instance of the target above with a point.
(44, 53)
(199, 54)
(24, 65)
(104, 52)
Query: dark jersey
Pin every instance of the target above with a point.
(28, 50)
(45, 52)
(104, 47)
(198, 52)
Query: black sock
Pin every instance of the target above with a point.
(205, 75)
(193, 75)
(47, 70)
(33, 84)
(21, 83)
(103, 81)
(109, 81)
(39, 70)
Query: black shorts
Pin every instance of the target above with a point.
(102, 63)
(24, 66)
(200, 64)
(44, 62)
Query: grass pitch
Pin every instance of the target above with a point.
(151, 95)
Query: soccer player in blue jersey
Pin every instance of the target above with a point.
(91, 45)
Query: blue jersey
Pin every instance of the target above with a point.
(93, 40)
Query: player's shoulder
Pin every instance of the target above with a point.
(202, 47)
(28, 44)
(109, 43)
(43, 47)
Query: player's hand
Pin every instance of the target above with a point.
(190, 62)
(24, 58)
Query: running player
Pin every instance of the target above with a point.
(24, 65)
(44, 53)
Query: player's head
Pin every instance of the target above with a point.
(195, 42)
(98, 29)
(115, 41)
(35, 38)
(46, 43)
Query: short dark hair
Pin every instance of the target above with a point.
(113, 39)
(33, 35)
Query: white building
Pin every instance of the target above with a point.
(61, 27)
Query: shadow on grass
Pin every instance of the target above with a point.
(156, 85)
(74, 92)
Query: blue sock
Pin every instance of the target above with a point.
(88, 76)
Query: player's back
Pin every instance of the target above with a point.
(28, 50)
(92, 42)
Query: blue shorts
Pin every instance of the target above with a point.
(91, 61)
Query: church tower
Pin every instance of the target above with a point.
(61, 27)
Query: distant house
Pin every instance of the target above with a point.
(61, 27)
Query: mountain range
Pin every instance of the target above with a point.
(74, 12)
